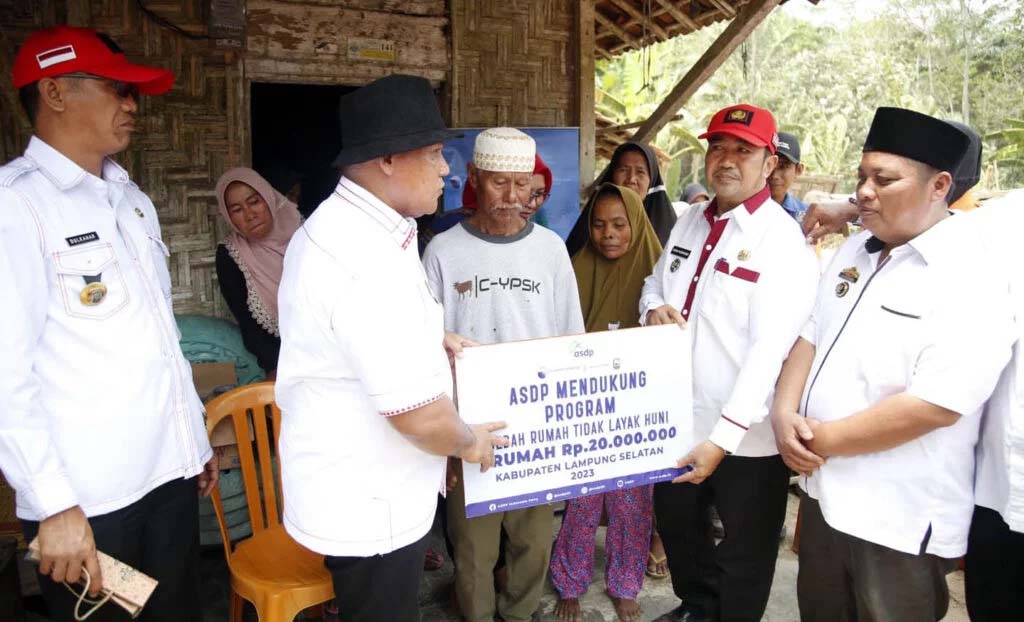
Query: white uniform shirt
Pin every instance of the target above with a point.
(361, 339)
(745, 283)
(97, 406)
(931, 321)
(999, 478)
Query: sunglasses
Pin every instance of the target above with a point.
(122, 89)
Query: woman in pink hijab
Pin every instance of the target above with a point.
(250, 259)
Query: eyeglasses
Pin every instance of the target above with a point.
(538, 197)
(122, 89)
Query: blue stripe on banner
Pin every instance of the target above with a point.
(554, 495)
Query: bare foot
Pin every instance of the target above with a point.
(627, 610)
(568, 610)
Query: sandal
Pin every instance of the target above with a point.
(432, 560)
(653, 562)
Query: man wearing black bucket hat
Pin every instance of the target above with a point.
(878, 405)
(363, 380)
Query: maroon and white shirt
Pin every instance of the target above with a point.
(361, 340)
(745, 282)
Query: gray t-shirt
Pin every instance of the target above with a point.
(497, 289)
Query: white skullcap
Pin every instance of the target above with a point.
(504, 150)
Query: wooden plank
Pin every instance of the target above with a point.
(749, 18)
(585, 115)
(78, 13)
(627, 7)
(724, 7)
(398, 7)
(618, 32)
(307, 43)
(679, 16)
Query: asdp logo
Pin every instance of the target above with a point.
(579, 351)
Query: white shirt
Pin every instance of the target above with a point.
(745, 283)
(97, 406)
(999, 478)
(361, 339)
(931, 321)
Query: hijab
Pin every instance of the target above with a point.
(657, 204)
(693, 190)
(610, 288)
(261, 261)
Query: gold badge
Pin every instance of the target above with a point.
(850, 274)
(737, 115)
(842, 288)
(675, 265)
(93, 294)
(744, 255)
(139, 213)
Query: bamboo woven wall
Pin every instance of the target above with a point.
(189, 136)
(513, 63)
(186, 138)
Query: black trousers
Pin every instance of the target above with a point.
(729, 582)
(843, 578)
(994, 574)
(159, 535)
(381, 588)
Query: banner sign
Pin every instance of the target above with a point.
(586, 414)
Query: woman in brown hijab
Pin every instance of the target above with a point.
(610, 269)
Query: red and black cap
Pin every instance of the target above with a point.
(66, 49)
(750, 123)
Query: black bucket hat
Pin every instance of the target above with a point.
(394, 114)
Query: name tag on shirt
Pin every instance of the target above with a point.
(679, 251)
(82, 238)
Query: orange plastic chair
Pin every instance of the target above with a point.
(279, 576)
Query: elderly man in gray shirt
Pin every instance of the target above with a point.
(501, 278)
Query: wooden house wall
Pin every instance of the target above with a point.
(511, 62)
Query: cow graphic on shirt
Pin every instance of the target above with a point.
(462, 288)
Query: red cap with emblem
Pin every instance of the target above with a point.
(65, 49)
(750, 123)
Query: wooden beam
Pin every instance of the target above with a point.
(749, 18)
(629, 126)
(726, 8)
(585, 115)
(618, 32)
(679, 16)
(652, 25)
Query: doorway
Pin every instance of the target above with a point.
(295, 138)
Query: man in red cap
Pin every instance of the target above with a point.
(737, 273)
(101, 432)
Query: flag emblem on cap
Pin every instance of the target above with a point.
(739, 116)
(50, 58)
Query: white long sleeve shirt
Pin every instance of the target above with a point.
(97, 406)
(745, 282)
(930, 320)
(999, 476)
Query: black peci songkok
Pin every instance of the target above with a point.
(917, 136)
